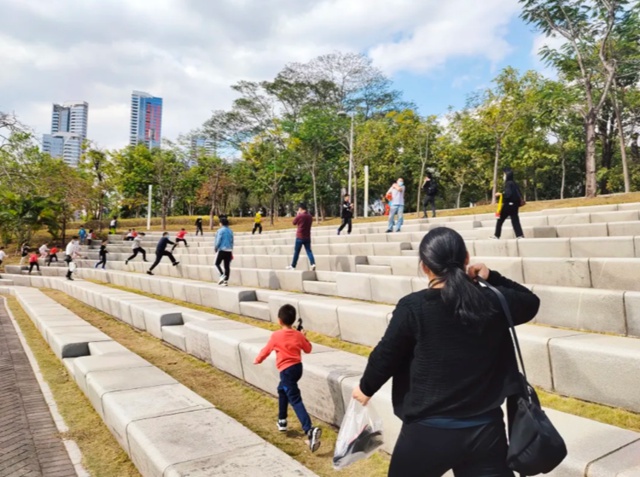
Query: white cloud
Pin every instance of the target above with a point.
(539, 42)
(190, 51)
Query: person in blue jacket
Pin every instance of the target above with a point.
(224, 248)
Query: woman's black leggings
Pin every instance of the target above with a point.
(346, 222)
(423, 451)
(224, 256)
(509, 210)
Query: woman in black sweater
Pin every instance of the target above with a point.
(450, 355)
(511, 201)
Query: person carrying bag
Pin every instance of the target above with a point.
(535, 445)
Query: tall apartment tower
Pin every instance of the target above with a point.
(68, 131)
(146, 120)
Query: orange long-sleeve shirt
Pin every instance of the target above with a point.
(288, 344)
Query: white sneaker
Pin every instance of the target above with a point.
(289, 267)
(313, 268)
(225, 283)
(222, 280)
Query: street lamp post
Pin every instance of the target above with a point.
(351, 154)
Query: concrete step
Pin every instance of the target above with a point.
(256, 309)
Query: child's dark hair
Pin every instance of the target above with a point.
(287, 314)
(444, 252)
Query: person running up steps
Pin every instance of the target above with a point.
(129, 236)
(199, 226)
(396, 205)
(24, 253)
(33, 262)
(72, 251)
(288, 344)
(258, 223)
(82, 235)
(3, 255)
(53, 255)
(161, 251)
(430, 189)
(224, 248)
(103, 255)
(512, 200)
(346, 212)
(303, 220)
(44, 250)
(180, 238)
(137, 248)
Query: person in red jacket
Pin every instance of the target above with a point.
(180, 238)
(33, 262)
(288, 344)
(303, 220)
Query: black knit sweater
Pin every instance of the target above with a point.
(440, 368)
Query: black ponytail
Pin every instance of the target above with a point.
(444, 252)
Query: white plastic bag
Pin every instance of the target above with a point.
(360, 435)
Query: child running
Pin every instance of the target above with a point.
(180, 238)
(258, 223)
(103, 255)
(53, 255)
(136, 247)
(288, 344)
(33, 262)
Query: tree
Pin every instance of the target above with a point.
(95, 164)
(587, 26)
(168, 169)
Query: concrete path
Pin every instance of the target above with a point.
(29, 442)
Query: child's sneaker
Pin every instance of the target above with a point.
(223, 279)
(313, 267)
(314, 434)
(282, 425)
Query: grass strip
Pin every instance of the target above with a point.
(249, 406)
(102, 455)
(597, 412)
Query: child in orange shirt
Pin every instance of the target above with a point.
(33, 262)
(288, 344)
(180, 238)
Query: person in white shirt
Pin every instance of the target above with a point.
(3, 255)
(44, 251)
(396, 204)
(136, 246)
(72, 251)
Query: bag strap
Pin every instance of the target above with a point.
(512, 327)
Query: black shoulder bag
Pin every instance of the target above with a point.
(535, 446)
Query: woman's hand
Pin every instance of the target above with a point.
(478, 270)
(359, 396)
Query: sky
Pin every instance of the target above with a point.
(189, 52)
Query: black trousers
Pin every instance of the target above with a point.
(50, 258)
(257, 227)
(136, 251)
(423, 451)
(430, 199)
(68, 260)
(346, 221)
(34, 264)
(178, 241)
(224, 256)
(159, 257)
(509, 210)
(199, 231)
(103, 261)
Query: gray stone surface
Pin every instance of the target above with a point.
(175, 336)
(255, 309)
(229, 298)
(619, 229)
(509, 267)
(615, 273)
(549, 248)
(363, 323)
(197, 336)
(225, 354)
(390, 289)
(124, 407)
(157, 317)
(354, 285)
(622, 463)
(584, 230)
(73, 344)
(602, 247)
(632, 308)
(320, 315)
(598, 368)
(573, 272)
(494, 248)
(86, 365)
(582, 309)
(106, 347)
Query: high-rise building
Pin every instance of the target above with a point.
(68, 131)
(202, 143)
(146, 120)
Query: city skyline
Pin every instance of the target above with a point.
(69, 124)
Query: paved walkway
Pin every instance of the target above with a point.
(29, 441)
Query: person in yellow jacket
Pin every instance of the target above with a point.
(258, 223)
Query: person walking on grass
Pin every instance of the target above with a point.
(24, 253)
(257, 223)
(512, 200)
(430, 189)
(199, 226)
(161, 251)
(136, 247)
(449, 352)
(33, 262)
(72, 251)
(303, 221)
(288, 345)
(3, 255)
(103, 255)
(180, 238)
(53, 255)
(224, 248)
(346, 213)
(396, 204)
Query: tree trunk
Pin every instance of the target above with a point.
(212, 211)
(273, 206)
(623, 148)
(459, 197)
(355, 192)
(315, 193)
(495, 170)
(564, 177)
(420, 182)
(165, 208)
(591, 186)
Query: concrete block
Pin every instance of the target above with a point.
(209, 296)
(615, 273)
(600, 311)
(197, 335)
(493, 248)
(621, 247)
(548, 248)
(84, 366)
(607, 217)
(249, 277)
(255, 309)
(572, 219)
(624, 462)
(632, 309)
(166, 289)
(363, 323)
(374, 269)
(157, 317)
(534, 342)
(320, 288)
(570, 272)
(343, 263)
(585, 230)
(510, 267)
(419, 284)
(72, 343)
(597, 368)
(99, 383)
(179, 290)
(174, 335)
(362, 249)
(194, 435)
(224, 346)
(624, 229)
(320, 315)
(122, 408)
(354, 285)
(405, 266)
(629, 206)
(292, 280)
(390, 289)
(229, 298)
(106, 347)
